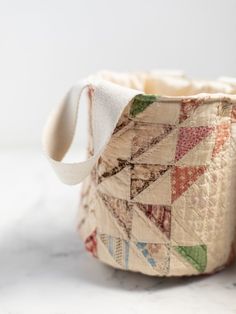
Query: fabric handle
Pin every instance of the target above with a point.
(109, 100)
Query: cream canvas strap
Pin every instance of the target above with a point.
(109, 100)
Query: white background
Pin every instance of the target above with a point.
(47, 45)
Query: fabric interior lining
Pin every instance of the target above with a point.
(166, 83)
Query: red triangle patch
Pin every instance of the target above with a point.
(189, 137)
(182, 178)
(91, 243)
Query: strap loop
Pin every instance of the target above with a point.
(109, 100)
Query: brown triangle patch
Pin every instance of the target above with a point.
(182, 178)
(160, 215)
(187, 108)
(121, 209)
(147, 137)
(121, 164)
(142, 175)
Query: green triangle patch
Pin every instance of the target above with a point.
(195, 255)
(140, 103)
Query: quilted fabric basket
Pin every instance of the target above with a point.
(159, 189)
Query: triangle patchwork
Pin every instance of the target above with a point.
(107, 223)
(121, 210)
(183, 232)
(158, 192)
(144, 229)
(161, 153)
(187, 109)
(189, 137)
(222, 134)
(182, 178)
(179, 266)
(142, 175)
(109, 171)
(117, 186)
(138, 262)
(148, 136)
(106, 251)
(195, 255)
(140, 103)
(200, 154)
(159, 215)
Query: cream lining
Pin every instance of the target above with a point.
(166, 83)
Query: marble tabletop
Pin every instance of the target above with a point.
(44, 268)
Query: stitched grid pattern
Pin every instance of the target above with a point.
(161, 190)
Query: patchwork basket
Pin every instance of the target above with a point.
(159, 191)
